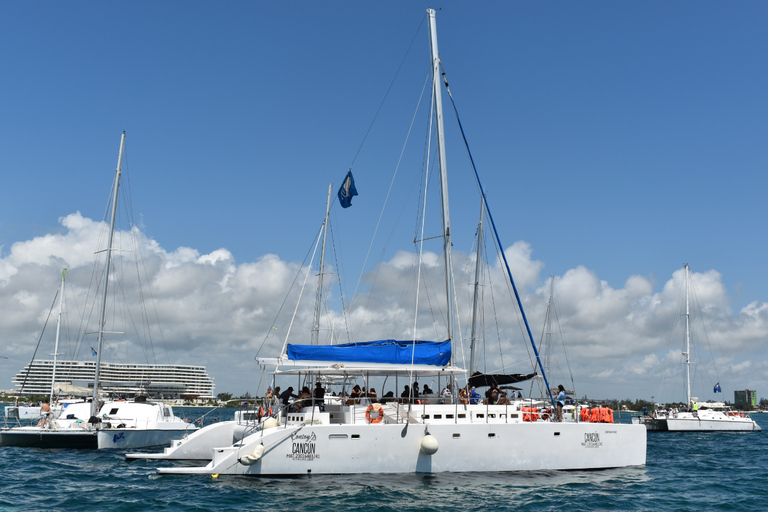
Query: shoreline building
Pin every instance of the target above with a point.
(158, 381)
(746, 397)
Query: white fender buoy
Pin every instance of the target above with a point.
(250, 460)
(429, 444)
(269, 423)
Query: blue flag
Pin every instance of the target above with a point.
(717, 388)
(93, 352)
(347, 190)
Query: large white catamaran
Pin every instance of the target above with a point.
(340, 436)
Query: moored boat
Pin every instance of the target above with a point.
(348, 435)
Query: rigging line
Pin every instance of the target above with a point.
(140, 259)
(496, 233)
(386, 199)
(562, 340)
(301, 292)
(697, 307)
(339, 266)
(388, 90)
(421, 244)
(34, 354)
(285, 299)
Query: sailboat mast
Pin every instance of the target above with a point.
(58, 330)
(476, 297)
(436, 87)
(547, 342)
(687, 352)
(319, 297)
(102, 315)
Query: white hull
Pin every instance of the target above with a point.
(124, 438)
(395, 448)
(125, 425)
(486, 439)
(196, 446)
(687, 422)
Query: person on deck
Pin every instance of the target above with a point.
(45, 412)
(406, 394)
(286, 396)
(474, 396)
(560, 400)
(427, 390)
(319, 396)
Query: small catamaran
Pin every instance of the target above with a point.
(700, 416)
(97, 424)
(353, 436)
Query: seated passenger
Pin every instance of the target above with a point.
(405, 396)
(305, 398)
(463, 396)
(474, 396)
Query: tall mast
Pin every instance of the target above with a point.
(547, 342)
(319, 297)
(687, 352)
(436, 87)
(58, 330)
(106, 278)
(476, 298)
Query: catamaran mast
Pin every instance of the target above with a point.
(436, 87)
(102, 315)
(476, 298)
(687, 353)
(58, 330)
(319, 296)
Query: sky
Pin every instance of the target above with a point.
(617, 141)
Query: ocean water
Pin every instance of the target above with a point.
(684, 472)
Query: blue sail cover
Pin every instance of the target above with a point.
(436, 353)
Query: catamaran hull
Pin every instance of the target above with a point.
(32, 437)
(396, 448)
(49, 439)
(197, 445)
(128, 438)
(712, 425)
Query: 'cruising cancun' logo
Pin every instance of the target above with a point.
(303, 447)
(592, 440)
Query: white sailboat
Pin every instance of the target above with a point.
(28, 412)
(700, 416)
(97, 424)
(401, 436)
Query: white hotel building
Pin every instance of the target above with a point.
(166, 381)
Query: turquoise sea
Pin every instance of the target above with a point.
(684, 472)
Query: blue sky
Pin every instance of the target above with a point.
(621, 138)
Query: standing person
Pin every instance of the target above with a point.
(286, 396)
(560, 402)
(319, 396)
(45, 411)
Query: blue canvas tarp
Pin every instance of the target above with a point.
(436, 353)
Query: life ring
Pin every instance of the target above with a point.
(378, 414)
(261, 413)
